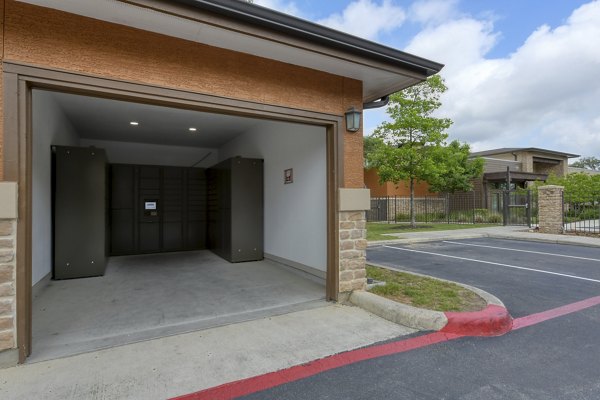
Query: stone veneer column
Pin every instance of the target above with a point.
(7, 283)
(353, 251)
(8, 262)
(550, 206)
(353, 204)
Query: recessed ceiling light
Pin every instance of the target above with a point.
(192, 129)
(134, 123)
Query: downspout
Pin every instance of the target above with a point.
(382, 102)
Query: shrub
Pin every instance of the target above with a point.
(494, 218)
(589, 213)
(402, 217)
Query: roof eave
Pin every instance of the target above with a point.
(303, 29)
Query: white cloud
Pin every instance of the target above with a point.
(367, 18)
(545, 94)
(433, 11)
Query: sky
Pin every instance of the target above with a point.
(520, 73)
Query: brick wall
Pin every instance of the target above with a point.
(7, 283)
(353, 251)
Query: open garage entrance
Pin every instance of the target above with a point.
(176, 259)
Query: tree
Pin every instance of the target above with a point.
(458, 169)
(592, 163)
(412, 146)
(370, 143)
(579, 187)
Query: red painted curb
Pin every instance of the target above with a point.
(491, 321)
(269, 380)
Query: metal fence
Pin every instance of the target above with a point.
(457, 208)
(581, 213)
(496, 207)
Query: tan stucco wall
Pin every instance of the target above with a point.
(54, 39)
(527, 165)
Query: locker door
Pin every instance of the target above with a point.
(79, 212)
(195, 209)
(122, 211)
(172, 208)
(149, 209)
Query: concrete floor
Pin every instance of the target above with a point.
(148, 296)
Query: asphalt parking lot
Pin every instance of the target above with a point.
(528, 277)
(554, 358)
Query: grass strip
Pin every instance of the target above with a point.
(377, 230)
(423, 292)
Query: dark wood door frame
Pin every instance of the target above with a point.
(19, 80)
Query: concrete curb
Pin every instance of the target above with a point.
(562, 239)
(402, 314)
(494, 320)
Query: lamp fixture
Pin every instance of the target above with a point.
(192, 129)
(353, 120)
(134, 123)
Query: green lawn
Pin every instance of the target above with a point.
(376, 230)
(424, 292)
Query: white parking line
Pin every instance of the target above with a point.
(495, 263)
(523, 251)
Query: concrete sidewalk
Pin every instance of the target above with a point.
(182, 364)
(498, 232)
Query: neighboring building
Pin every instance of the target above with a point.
(520, 165)
(525, 165)
(402, 189)
(185, 84)
(576, 170)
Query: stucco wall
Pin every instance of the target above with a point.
(50, 127)
(54, 39)
(295, 214)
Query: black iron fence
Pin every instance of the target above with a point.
(581, 213)
(495, 207)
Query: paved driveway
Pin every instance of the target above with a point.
(554, 357)
(528, 277)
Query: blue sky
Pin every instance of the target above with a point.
(519, 72)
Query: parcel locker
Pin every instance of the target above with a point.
(79, 211)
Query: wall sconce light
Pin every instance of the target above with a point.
(353, 120)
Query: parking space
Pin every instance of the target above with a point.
(554, 356)
(528, 277)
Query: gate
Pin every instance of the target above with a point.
(379, 209)
(518, 207)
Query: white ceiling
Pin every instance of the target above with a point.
(106, 119)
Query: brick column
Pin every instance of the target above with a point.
(353, 251)
(550, 205)
(7, 283)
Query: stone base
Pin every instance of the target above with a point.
(7, 283)
(353, 251)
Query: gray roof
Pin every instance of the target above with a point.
(520, 149)
(277, 21)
